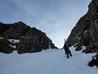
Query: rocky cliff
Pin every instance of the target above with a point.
(85, 33)
(20, 37)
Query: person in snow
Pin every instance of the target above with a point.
(67, 51)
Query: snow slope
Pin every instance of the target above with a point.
(50, 61)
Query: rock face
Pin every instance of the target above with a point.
(29, 39)
(94, 61)
(4, 47)
(3, 28)
(86, 30)
(15, 31)
(34, 41)
(85, 33)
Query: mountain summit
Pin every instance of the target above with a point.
(23, 38)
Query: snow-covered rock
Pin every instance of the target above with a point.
(14, 40)
(1, 38)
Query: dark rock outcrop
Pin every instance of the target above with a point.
(3, 27)
(4, 46)
(15, 30)
(94, 61)
(85, 33)
(34, 41)
(30, 39)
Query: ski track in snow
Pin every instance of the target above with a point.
(51, 61)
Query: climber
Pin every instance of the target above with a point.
(67, 51)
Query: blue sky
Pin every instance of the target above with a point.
(54, 17)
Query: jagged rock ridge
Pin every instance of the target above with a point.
(85, 33)
(23, 38)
